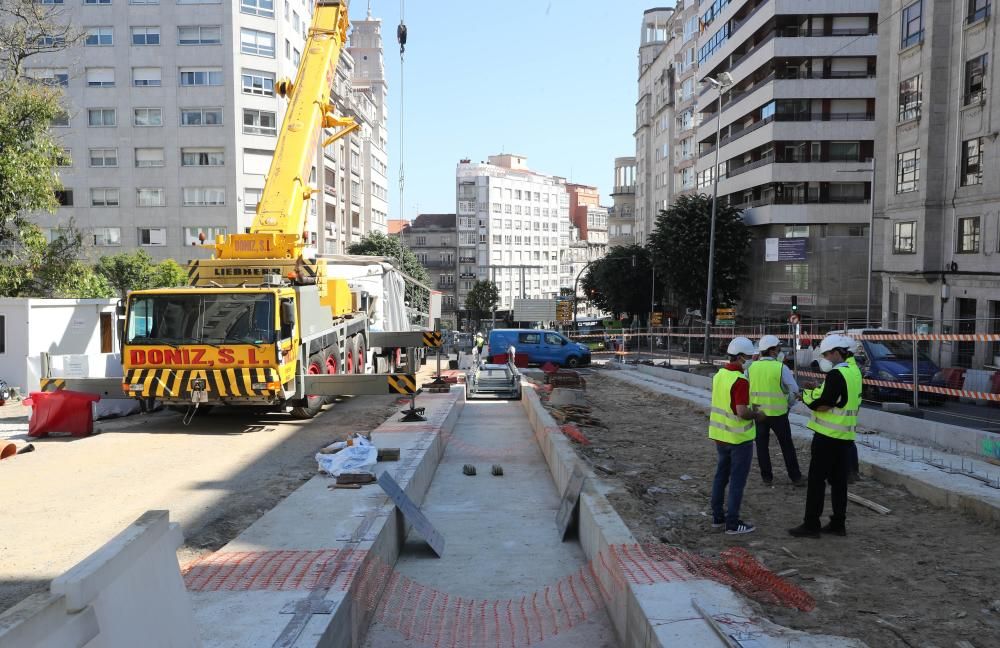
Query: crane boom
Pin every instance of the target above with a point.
(277, 230)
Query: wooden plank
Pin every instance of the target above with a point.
(388, 454)
(412, 513)
(867, 503)
(570, 503)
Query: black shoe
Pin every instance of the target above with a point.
(768, 482)
(803, 531)
(800, 482)
(853, 478)
(834, 529)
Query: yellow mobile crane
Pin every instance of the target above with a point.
(260, 324)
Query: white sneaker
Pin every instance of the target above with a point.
(741, 528)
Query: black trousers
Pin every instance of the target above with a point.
(831, 460)
(783, 431)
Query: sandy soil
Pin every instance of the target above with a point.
(921, 576)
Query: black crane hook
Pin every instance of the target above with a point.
(401, 37)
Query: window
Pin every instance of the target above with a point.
(296, 57)
(201, 116)
(912, 27)
(910, 98)
(64, 197)
(64, 158)
(145, 35)
(146, 77)
(144, 2)
(51, 41)
(907, 171)
(99, 37)
(101, 117)
(3, 334)
(103, 157)
(972, 168)
(148, 117)
(258, 83)
(96, 2)
(191, 2)
(250, 199)
(529, 338)
(50, 76)
(201, 76)
(797, 276)
(107, 236)
(195, 235)
(263, 8)
(259, 122)
(904, 237)
(199, 35)
(204, 196)
(152, 236)
(975, 74)
(100, 77)
(203, 157)
(968, 235)
(148, 157)
(257, 43)
(104, 197)
(844, 151)
(146, 197)
(978, 9)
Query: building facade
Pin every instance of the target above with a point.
(172, 120)
(511, 222)
(433, 238)
(796, 128)
(938, 241)
(621, 215)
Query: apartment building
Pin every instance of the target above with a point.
(433, 238)
(511, 225)
(795, 136)
(172, 120)
(938, 233)
(621, 215)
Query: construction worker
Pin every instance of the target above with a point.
(477, 347)
(834, 406)
(772, 385)
(731, 427)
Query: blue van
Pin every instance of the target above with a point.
(540, 346)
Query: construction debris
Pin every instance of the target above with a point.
(349, 478)
(388, 454)
(867, 503)
(575, 414)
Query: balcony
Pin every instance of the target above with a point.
(438, 263)
(811, 117)
(446, 285)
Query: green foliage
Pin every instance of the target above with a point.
(679, 247)
(36, 268)
(378, 244)
(169, 274)
(136, 271)
(621, 282)
(28, 156)
(482, 298)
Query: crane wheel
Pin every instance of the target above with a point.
(361, 355)
(314, 404)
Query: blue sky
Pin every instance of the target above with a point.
(554, 80)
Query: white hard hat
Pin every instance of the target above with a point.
(768, 342)
(836, 341)
(741, 346)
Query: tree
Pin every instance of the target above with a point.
(621, 282)
(136, 271)
(379, 244)
(29, 27)
(37, 268)
(679, 247)
(482, 298)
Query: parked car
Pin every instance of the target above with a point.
(892, 361)
(540, 346)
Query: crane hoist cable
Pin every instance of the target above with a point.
(401, 38)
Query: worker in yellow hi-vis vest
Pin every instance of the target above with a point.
(834, 406)
(772, 386)
(731, 426)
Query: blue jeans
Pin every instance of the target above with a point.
(732, 470)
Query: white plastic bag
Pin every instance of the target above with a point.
(352, 460)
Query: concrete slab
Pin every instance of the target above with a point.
(889, 460)
(502, 547)
(240, 592)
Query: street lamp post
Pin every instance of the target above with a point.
(871, 242)
(721, 82)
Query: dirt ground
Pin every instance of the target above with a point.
(217, 477)
(919, 577)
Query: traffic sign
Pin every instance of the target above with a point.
(794, 318)
(564, 311)
(657, 319)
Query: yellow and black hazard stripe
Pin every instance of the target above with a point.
(432, 338)
(52, 384)
(222, 383)
(193, 274)
(402, 383)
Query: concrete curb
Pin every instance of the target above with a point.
(920, 479)
(647, 616)
(316, 518)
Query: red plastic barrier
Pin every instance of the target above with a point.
(520, 359)
(61, 411)
(954, 377)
